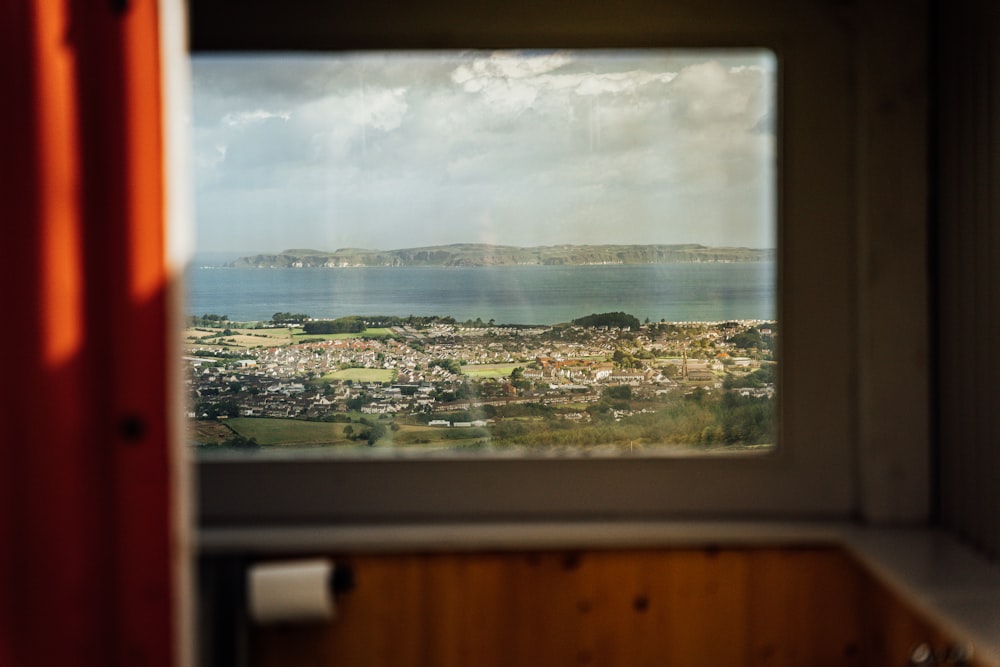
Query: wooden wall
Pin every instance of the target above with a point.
(774, 607)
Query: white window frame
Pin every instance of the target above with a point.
(817, 470)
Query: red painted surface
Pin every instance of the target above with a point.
(86, 562)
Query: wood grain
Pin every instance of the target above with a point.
(734, 607)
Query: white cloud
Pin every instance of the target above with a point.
(712, 95)
(616, 83)
(511, 83)
(380, 108)
(242, 118)
(509, 65)
(521, 149)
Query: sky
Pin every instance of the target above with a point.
(400, 150)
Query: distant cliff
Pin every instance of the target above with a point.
(478, 254)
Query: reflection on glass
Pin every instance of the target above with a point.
(540, 251)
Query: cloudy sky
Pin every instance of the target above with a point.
(528, 148)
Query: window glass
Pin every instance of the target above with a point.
(484, 252)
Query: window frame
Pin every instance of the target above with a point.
(813, 472)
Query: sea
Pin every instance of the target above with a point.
(709, 292)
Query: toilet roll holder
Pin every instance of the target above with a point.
(223, 598)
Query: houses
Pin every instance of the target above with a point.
(433, 374)
(444, 423)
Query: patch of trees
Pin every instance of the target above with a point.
(518, 380)
(478, 323)
(752, 338)
(289, 318)
(240, 442)
(668, 329)
(619, 393)
(207, 320)
(624, 359)
(337, 417)
(219, 353)
(612, 398)
(450, 365)
(371, 434)
(700, 419)
(615, 320)
(759, 378)
(748, 340)
(214, 410)
(349, 324)
(357, 402)
(565, 333)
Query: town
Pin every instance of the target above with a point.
(434, 382)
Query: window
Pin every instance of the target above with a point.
(536, 251)
(811, 474)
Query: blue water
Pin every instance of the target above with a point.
(507, 294)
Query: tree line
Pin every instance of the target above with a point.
(349, 324)
(617, 320)
(699, 419)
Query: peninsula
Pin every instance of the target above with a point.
(480, 254)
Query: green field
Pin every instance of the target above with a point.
(368, 333)
(377, 332)
(489, 370)
(361, 375)
(437, 435)
(269, 337)
(269, 431)
(238, 338)
(293, 432)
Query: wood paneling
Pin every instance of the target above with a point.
(743, 607)
(893, 630)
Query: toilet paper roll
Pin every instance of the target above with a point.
(291, 591)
